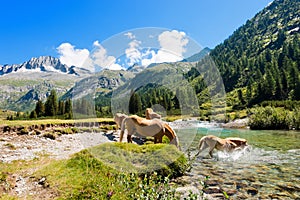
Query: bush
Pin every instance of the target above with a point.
(271, 118)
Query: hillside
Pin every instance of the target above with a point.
(20, 93)
(262, 57)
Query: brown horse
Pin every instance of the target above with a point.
(118, 118)
(170, 133)
(150, 114)
(213, 142)
(148, 128)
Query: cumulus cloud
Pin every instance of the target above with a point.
(133, 53)
(102, 60)
(172, 46)
(173, 42)
(69, 55)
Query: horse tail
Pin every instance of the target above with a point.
(171, 134)
(123, 126)
(200, 145)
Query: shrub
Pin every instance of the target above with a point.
(270, 118)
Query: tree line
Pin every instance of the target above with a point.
(52, 107)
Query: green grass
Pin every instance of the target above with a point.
(87, 176)
(116, 171)
(52, 121)
(142, 159)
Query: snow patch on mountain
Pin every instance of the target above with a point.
(42, 64)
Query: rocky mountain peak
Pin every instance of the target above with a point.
(41, 64)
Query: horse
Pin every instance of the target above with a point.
(241, 143)
(170, 133)
(118, 118)
(150, 114)
(148, 128)
(213, 142)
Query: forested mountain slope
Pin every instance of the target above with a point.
(262, 57)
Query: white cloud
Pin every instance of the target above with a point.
(130, 35)
(133, 54)
(173, 42)
(70, 56)
(100, 58)
(172, 46)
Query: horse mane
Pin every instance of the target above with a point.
(138, 120)
(148, 112)
(170, 133)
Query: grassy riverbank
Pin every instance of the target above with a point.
(87, 176)
(53, 121)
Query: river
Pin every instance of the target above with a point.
(268, 169)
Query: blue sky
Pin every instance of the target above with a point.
(38, 28)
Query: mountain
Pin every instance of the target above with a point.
(23, 84)
(42, 64)
(102, 82)
(20, 91)
(198, 56)
(162, 78)
(262, 57)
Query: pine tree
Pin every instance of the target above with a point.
(135, 104)
(33, 115)
(269, 85)
(61, 108)
(241, 98)
(284, 82)
(249, 93)
(68, 109)
(39, 108)
(51, 105)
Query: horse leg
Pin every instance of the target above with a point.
(129, 139)
(159, 139)
(211, 148)
(121, 135)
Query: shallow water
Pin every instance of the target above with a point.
(268, 169)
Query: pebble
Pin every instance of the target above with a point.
(251, 190)
(185, 191)
(212, 190)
